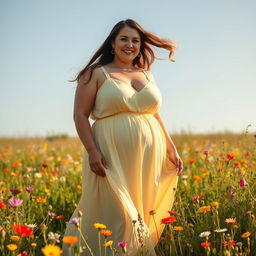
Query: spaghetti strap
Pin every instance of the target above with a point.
(105, 72)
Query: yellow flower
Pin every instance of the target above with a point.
(15, 238)
(109, 243)
(214, 204)
(99, 225)
(51, 250)
(47, 191)
(12, 247)
(246, 234)
(178, 228)
(204, 209)
(33, 244)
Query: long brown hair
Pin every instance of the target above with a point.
(104, 56)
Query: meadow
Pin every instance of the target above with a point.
(213, 214)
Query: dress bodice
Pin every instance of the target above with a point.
(115, 96)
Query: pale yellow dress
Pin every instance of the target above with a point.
(140, 177)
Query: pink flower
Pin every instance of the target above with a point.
(206, 152)
(242, 182)
(29, 189)
(15, 202)
(24, 253)
(172, 212)
(122, 244)
(195, 198)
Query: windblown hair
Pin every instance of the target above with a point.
(104, 56)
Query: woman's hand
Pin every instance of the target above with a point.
(176, 160)
(97, 162)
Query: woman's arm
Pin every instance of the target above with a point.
(84, 100)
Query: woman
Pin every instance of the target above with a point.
(131, 165)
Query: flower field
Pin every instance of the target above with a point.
(214, 211)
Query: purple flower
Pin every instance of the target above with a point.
(15, 191)
(74, 220)
(15, 202)
(52, 214)
(242, 182)
(29, 189)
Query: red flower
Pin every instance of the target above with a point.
(230, 156)
(206, 244)
(168, 220)
(22, 230)
(2, 205)
(229, 243)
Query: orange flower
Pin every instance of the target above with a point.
(41, 200)
(178, 228)
(69, 240)
(230, 156)
(106, 232)
(230, 220)
(214, 204)
(191, 161)
(246, 234)
(206, 244)
(204, 209)
(229, 243)
(59, 217)
(197, 179)
(168, 220)
(235, 226)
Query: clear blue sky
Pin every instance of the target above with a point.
(211, 86)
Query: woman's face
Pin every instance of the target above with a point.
(127, 44)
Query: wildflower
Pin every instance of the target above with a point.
(246, 234)
(214, 204)
(22, 230)
(41, 200)
(206, 152)
(54, 237)
(15, 191)
(122, 244)
(75, 220)
(205, 234)
(206, 244)
(230, 156)
(191, 161)
(168, 220)
(197, 179)
(29, 189)
(2, 205)
(69, 240)
(108, 243)
(59, 217)
(242, 182)
(15, 238)
(220, 230)
(33, 244)
(230, 220)
(152, 212)
(31, 225)
(204, 209)
(106, 232)
(99, 226)
(172, 212)
(229, 243)
(24, 253)
(195, 198)
(52, 214)
(12, 247)
(15, 202)
(235, 226)
(178, 228)
(51, 250)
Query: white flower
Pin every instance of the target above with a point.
(31, 225)
(38, 175)
(221, 230)
(184, 176)
(62, 178)
(54, 237)
(205, 234)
